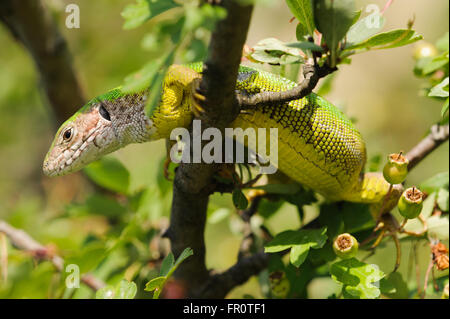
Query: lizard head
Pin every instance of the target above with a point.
(103, 125)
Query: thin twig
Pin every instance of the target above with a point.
(21, 240)
(312, 73)
(438, 135)
(427, 274)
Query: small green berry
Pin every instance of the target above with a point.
(279, 284)
(345, 246)
(396, 169)
(410, 203)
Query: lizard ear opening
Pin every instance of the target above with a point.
(104, 113)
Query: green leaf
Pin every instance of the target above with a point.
(333, 19)
(143, 10)
(360, 280)
(300, 32)
(442, 199)
(218, 215)
(435, 183)
(300, 242)
(357, 217)
(167, 264)
(155, 283)
(393, 286)
(302, 10)
(274, 51)
(126, 290)
(109, 173)
(305, 46)
(441, 89)
(141, 79)
(167, 268)
(239, 199)
(123, 290)
(184, 254)
(105, 293)
(365, 28)
(97, 204)
(434, 64)
(386, 40)
(298, 254)
(442, 43)
(438, 227)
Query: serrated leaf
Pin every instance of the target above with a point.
(155, 283)
(300, 242)
(360, 280)
(302, 10)
(143, 10)
(167, 264)
(239, 199)
(440, 90)
(387, 40)
(109, 173)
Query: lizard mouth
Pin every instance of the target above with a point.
(74, 157)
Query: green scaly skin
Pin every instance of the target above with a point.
(317, 145)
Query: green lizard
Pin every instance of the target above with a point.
(317, 145)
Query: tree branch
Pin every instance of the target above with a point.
(220, 284)
(192, 184)
(31, 23)
(23, 241)
(439, 134)
(312, 74)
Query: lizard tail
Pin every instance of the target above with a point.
(373, 188)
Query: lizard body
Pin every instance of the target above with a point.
(317, 145)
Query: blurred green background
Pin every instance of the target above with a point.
(378, 89)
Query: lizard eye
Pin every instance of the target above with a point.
(104, 113)
(67, 135)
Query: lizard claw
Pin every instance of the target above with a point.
(196, 98)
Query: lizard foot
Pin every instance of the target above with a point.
(196, 98)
